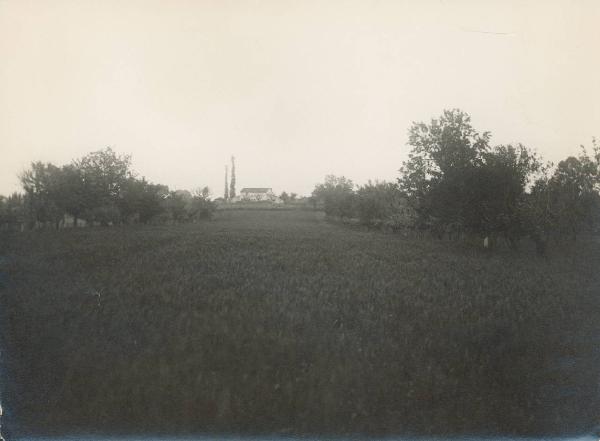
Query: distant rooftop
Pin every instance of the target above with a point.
(255, 190)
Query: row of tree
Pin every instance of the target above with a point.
(372, 203)
(454, 181)
(100, 189)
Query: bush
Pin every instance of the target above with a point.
(337, 196)
(379, 202)
(200, 208)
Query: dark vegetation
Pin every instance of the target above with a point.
(99, 189)
(276, 321)
(456, 184)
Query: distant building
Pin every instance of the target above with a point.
(257, 194)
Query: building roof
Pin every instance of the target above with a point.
(255, 190)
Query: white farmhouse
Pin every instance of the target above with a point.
(257, 194)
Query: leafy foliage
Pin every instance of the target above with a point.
(12, 211)
(567, 202)
(337, 196)
(379, 201)
(200, 206)
(100, 188)
(455, 180)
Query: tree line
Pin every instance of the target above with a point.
(100, 188)
(455, 182)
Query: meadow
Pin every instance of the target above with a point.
(280, 322)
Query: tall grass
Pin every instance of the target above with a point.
(280, 322)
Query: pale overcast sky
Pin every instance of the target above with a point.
(294, 89)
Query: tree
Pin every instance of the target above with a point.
(442, 155)
(573, 193)
(495, 190)
(456, 182)
(284, 197)
(40, 183)
(226, 193)
(12, 211)
(141, 200)
(202, 193)
(71, 192)
(3, 212)
(232, 182)
(337, 196)
(537, 215)
(104, 174)
(175, 204)
(378, 201)
(448, 144)
(564, 202)
(200, 206)
(416, 184)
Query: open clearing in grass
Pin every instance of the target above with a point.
(277, 321)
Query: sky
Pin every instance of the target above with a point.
(295, 90)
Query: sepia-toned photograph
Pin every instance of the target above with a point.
(299, 220)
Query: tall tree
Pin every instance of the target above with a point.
(448, 143)
(226, 193)
(232, 185)
(443, 153)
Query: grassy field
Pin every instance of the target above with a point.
(277, 321)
